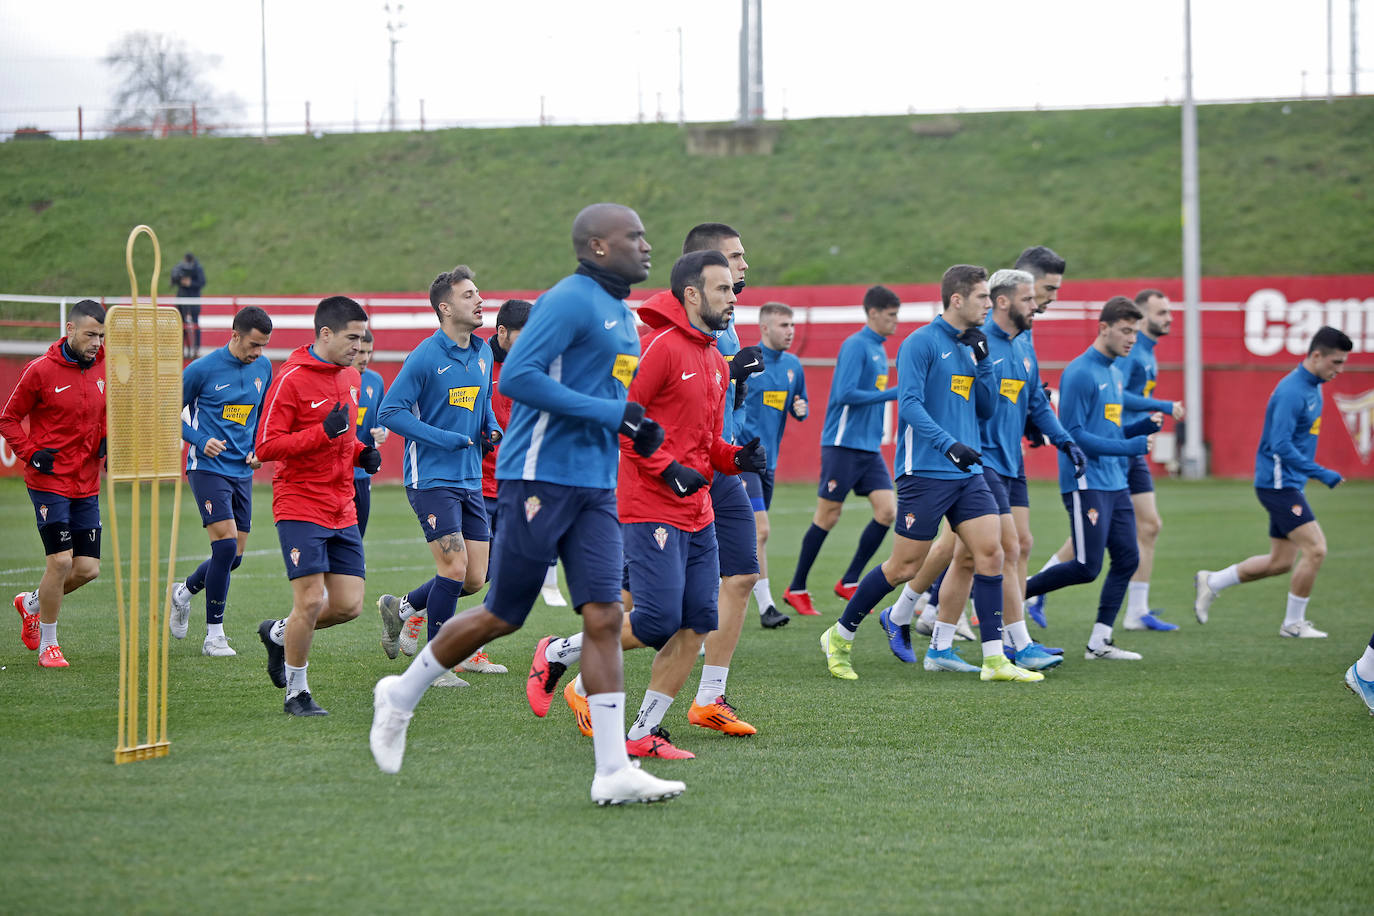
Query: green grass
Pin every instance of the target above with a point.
(858, 200)
(1229, 770)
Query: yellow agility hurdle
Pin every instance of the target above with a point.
(143, 420)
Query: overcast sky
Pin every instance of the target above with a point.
(492, 63)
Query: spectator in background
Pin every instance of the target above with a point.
(188, 279)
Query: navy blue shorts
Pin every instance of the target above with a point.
(1287, 509)
(67, 524)
(997, 486)
(1017, 492)
(736, 536)
(844, 469)
(490, 502)
(219, 497)
(446, 510)
(759, 488)
(1138, 476)
(923, 501)
(1100, 522)
(308, 549)
(675, 579)
(548, 521)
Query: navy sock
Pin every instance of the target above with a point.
(419, 598)
(873, 588)
(987, 603)
(443, 602)
(869, 542)
(196, 580)
(810, 546)
(238, 558)
(217, 578)
(934, 591)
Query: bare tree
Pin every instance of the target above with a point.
(159, 80)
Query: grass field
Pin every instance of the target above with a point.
(1229, 770)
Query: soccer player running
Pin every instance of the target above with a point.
(1284, 462)
(370, 432)
(440, 402)
(1101, 518)
(850, 439)
(1018, 395)
(946, 387)
(307, 416)
(62, 394)
(665, 508)
(1359, 677)
(568, 377)
(779, 391)
(221, 394)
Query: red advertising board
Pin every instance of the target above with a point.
(1254, 329)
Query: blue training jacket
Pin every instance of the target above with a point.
(1090, 406)
(768, 403)
(1017, 375)
(224, 397)
(1139, 372)
(566, 377)
(1285, 459)
(441, 402)
(727, 342)
(369, 403)
(943, 391)
(858, 393)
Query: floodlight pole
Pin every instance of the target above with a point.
(1194, 463)
(263, 19)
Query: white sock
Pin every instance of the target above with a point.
(551, 577)
(993, 648)
(713, 678)
(929, 612)
(905, 607)
(578, 687)
(295, 680)
(415, 680)
(845, 633)
(568, 651)
(213, 630)
(278, 632)
(607, 711)
(1297, 608)
(943, 637)
(763, 595)
(1102, 634)
(1225, 578)
(1365, 666)
(47, 635)
(1052, 561)
(651, 713)
(1020, 635)
(1137, 600)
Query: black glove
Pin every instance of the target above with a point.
(646, 435)
(335, 422)
(42, 460)
(487, 441)
(751, 457)
(1080, 460)
(682, 480)
(1145, 426)
(962, 456)
(746, 362)
(370, 460)
(741, 392)
(100, 451)
(1034, 437)
(975, 338)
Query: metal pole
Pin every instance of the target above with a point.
(682, 109)
(756, 65)
(263, 18)
(744, 62)
(1194, 464)
(1354, 41)
(1330, 59)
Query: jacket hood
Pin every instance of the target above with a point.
(663, 309)
(55, 354)
(301, 356)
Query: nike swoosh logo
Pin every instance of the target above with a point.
(317, 403)
(1103, 385)
(611, 324)
(219, 387)
(443, 370)
(996, 361)
(62, 389)
(677, 485)
(945, 355)
(687, 375)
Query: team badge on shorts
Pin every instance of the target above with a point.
(830, 485)
(910, 520)
(1092, 517)
(1297, 510)
(43, 513)
(257, 383)
(295, 556)
(532, 506)
(100, 383)
(661, 537)
(209, 507)
(432, 521)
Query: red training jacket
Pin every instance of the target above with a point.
(500, 405)
(65, 405)
(682, 381)
(313, 479)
